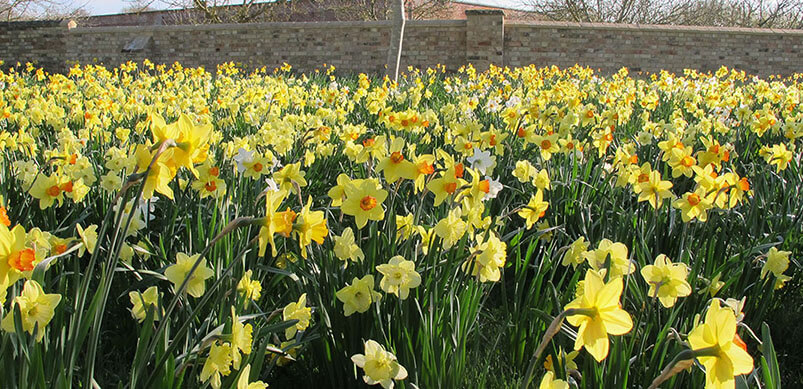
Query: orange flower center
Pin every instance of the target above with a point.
(67, 187)
(693, 199)
(468, 146)
(370, 141)
(4, 216)
(634, 159)
(459, 170)
(450, 187)
(492, 140)
(60, 249)
(643, 177)
(215, 171)
(688, 161)
(396, 157)
(73, 159)
(546, 144)
(589, 114)
(368, 203)
(521, 133)
(570, 145)
(210, 186)
(425, 168)
(22, 260)
(744, 184)
(53, 191)
(609, 137)
(257, 167)
(726, 156)
(405, 122)
(485, 186)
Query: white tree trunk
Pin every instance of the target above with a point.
(396, 38)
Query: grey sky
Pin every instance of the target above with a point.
(102, 7)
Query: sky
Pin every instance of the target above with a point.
(104, 7)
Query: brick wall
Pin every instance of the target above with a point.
(39, 41)
(483, 38)
(651, 48)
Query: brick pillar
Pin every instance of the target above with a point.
(485, 38)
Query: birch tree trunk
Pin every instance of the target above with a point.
(396, 38)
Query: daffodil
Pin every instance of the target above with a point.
(611, 256)
(777, 262)
(244, 381)
(297, 310)
(289, 177)
(273, 221)
(196, 284)
(487, 258)
(549, 382)
(141, 302)
(535, 209)
(395, 166)
(575, 255)
(15, 257)
(380, 366)
(694, 205)
(36, 309)
(364, 202)
(345, 247)
(240, 339)
(723, 357)
(217, 363)
(600, 315)
(358, 296)
(654, 190)
(399, 276)
(47, 190)
(310, 226)
(250, 289)
(667, 280)
(451, 228)
(89, 238)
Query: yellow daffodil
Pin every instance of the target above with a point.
(776, 263)
(549, 382)
(358, 296)
(217, 363)
(310, 226)
(380, 366)
(297, 310)
(723, 356)
(399, 276)
(451, 228)
(601, 315)
(196, 285)
(250, 289)
(364, 202)
(487, 258)
(36, 309)
(575, 255)
(667, 280)
(535, 209)
(240, 339)
(244, 381)
(141, 302)
(610, 255)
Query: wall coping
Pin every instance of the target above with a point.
(260, 26)
(653, 27)
(485, 12)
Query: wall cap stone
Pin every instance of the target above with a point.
(653, 27)
(485, 12)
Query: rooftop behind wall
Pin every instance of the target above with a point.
(484, 38)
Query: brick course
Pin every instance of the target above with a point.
(482, 39)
